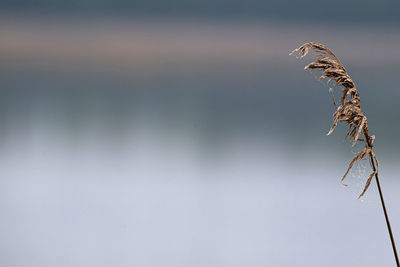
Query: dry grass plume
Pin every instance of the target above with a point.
(348, 108)
(348, 111)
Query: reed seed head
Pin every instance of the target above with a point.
(349, 109)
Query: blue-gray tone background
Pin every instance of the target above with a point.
(181, 133)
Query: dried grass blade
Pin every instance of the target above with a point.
(367, 184)
(359, 156)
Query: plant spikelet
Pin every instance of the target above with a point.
(349, 109)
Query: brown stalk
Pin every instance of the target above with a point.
(349, 111)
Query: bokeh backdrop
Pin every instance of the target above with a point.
(181, 133)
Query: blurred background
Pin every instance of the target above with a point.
(181, 133)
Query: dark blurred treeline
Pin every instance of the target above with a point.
(367, 11)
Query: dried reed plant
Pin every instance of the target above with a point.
(348, 111)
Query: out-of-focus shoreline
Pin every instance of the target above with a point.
(154, 44)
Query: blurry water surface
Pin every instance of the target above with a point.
(188, 143)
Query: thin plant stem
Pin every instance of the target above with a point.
(378, 184)
(387, 221)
